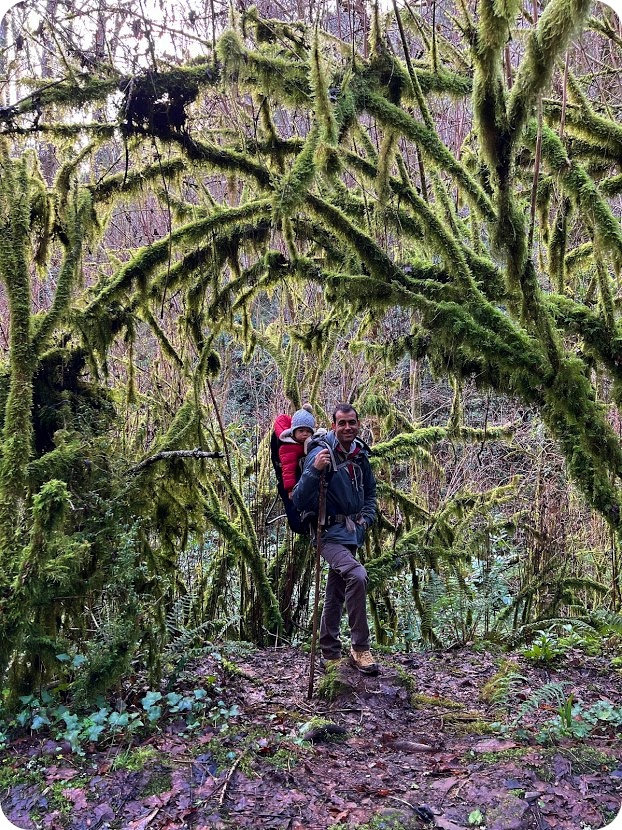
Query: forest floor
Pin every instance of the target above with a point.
(418, 750)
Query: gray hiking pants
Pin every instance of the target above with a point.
(347, 581)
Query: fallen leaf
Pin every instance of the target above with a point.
(508, 814)
(493, 745)
(141, 824)
(158, 800)
(172, 746)
(409, 746)
(77, 798)
(102, 812)
(56, 748)
(55, 773)
(444, 785)
(51, 821)
(561, 767)
(446, 824)
(445, 759)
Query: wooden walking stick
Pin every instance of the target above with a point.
(321, 521)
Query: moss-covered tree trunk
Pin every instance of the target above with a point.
(16, 207)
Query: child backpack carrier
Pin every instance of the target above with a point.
(299, 523)
(294, 519)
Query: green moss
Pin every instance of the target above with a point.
(386, 819)
(471, 725)
(497, 688)
(430, 144)
(333, 683)
(233, 670)
(583, 757)
(291, 193)
(160, 781)
(135, 759)
(268, 74)
(285, 758)
(325, 117)
(420, 701)
(579, 185)
(557, 24)
(148, 258)
(11, 776)
(514, 754)
(407, 680)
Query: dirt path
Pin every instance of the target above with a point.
(418, 751)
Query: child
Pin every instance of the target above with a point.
(292, 443)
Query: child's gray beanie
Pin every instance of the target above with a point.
(303, 418)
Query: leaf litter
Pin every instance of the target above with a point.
(414, 747)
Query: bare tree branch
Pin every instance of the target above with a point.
(197, 452)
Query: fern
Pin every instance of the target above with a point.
(503, 685)
(551, 694)
(606, 622)
(184, 639)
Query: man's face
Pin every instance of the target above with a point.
(346, 427)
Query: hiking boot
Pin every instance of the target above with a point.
(363, 662)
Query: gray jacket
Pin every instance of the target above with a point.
(350, 495)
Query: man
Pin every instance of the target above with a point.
(350, 510)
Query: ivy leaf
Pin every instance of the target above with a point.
(38, 721)
(118, 719)
(154, 713)
(71, 721)
(93, 732)
(476, 818)
(150, 699)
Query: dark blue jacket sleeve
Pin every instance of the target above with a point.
(306, 492)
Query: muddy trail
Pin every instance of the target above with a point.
(453, 740)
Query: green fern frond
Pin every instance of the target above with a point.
(552, 693)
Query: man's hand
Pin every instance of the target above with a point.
(322, 460)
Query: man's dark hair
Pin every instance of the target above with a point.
(346, 408)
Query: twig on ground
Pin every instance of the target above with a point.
(227, 781)
(400, 801)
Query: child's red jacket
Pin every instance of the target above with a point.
(290, 451)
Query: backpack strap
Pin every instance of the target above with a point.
(320, 441)
(352, 457)
(364, 445)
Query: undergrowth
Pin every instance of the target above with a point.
(53, 714)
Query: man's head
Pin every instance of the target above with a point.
(345, 424)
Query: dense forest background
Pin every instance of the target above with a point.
(214, 212)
